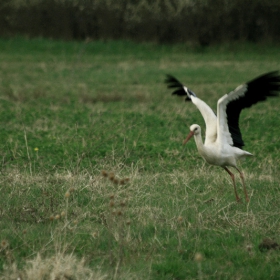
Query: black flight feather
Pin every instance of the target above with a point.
(267, 85)
(179, 87)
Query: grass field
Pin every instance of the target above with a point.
(73, 113)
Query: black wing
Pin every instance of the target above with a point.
(267, 85)
(180, 89)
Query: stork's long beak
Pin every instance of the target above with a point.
(191, 134)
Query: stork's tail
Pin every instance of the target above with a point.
(180, 89)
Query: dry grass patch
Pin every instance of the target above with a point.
(57, 267)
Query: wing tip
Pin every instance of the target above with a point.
(179, 88)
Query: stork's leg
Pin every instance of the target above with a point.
(233, 180)
(243, 182)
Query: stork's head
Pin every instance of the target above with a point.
(194, 130)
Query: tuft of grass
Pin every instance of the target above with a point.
(58, 266)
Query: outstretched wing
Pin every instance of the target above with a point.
(244, 96)
(180, 89)
(206, 112)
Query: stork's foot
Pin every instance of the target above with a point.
(238, 200)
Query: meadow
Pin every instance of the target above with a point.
(95, 182)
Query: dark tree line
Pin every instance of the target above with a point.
(163, 21)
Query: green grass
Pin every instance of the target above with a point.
(70, 110)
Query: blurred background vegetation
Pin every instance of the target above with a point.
(202, 22)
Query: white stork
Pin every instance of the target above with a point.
(223, 141)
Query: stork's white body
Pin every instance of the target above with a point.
(220, 155)
(218, 148)
(223, 141)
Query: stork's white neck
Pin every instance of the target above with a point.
(199, 143)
